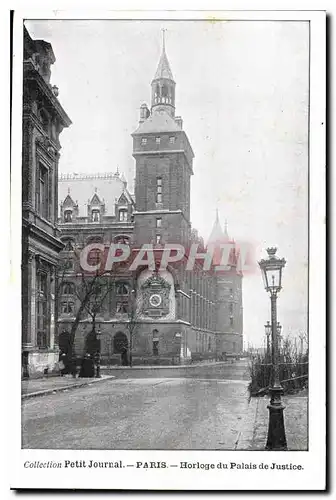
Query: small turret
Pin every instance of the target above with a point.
(163, 85)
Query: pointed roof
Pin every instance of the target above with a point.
(163, 69)
(95, 200)
(68, 202)
(217, 234)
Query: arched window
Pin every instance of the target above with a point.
(68, 289)
(67, 215)
(155, 342)
(120, 342)
(122, 293)
(69, 244)
(124, 240)
(122, 289)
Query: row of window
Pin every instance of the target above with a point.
(68, 307)
(204, 342)
(122, 289)
(157, 140)
(96, 215)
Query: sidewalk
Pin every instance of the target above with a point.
(255, 426)
(48, 385)
(158, 367)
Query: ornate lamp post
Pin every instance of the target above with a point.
(97, 353)
(271, 270)
(268, 331)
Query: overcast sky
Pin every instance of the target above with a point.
(242, 91)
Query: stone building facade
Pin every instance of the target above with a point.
(43, 121)
(167, 316)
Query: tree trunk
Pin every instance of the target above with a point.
(131, 349)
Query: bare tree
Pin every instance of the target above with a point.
(91, 291)
(134, 316)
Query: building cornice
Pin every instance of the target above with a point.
(31, 73)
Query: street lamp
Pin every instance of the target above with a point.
(97, 353)
(271, 270)
(268, 331)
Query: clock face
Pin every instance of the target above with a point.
(155, 300)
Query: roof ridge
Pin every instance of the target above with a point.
(83, 176)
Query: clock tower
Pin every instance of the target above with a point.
(164, 160)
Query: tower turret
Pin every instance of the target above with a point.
(164, 160)
(163, 85)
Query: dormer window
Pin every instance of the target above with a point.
(143, 141)
(95, 215)
(67, 215)
(123, 215)
(172, 139)
(157, 140)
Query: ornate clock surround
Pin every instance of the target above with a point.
(155, 292)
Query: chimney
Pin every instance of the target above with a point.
(144, 113)
(179, 121)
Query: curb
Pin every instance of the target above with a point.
(65, 388)
(162, 367)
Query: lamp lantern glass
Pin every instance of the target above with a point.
(271, 270)
(268, 328)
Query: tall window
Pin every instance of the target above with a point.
(95, 215)
(158, 239)
(159, 190)
(231, 320)
(122, 289)
(122, 292)
(122, 215)
(159, 222)
(67, 215)
(67, 307)
(42, 310)
(42, 192)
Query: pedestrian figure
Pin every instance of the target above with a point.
(62, 363)
(87, 367)
(124, 357)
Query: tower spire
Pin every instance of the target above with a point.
(163, 40)
(163, 84)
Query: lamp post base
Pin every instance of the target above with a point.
(276, 439)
